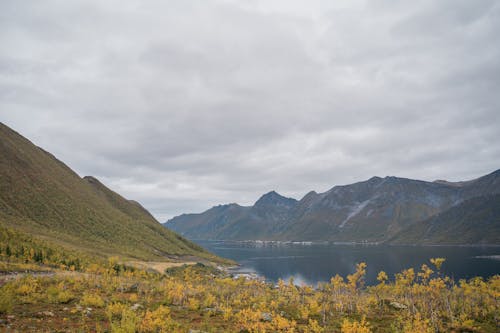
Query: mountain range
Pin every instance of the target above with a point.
(390, 209)
(42, 197)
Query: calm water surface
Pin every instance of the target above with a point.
(313, 263)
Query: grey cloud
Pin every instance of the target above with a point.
(182, 105)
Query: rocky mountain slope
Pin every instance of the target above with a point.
(374, 210)
(474, 221)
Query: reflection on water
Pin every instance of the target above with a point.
(313, 263)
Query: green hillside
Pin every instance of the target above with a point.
(41, 196)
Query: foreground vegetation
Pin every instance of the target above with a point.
(112, 297)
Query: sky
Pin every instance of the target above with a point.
(183, 105)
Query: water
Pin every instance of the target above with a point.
(318, 262)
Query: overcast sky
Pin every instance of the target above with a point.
(183, 105)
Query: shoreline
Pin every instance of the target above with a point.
(353, 243)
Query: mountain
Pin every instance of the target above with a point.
(268, 216)
(374, 210)
(474, 221)
(42, 197)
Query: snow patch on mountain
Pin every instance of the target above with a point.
(355, 211)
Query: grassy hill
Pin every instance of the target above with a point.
(41, 196)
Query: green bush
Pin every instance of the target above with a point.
(6, 300)
(92, 300)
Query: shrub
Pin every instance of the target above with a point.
(128, 322)
(92, 300)
(115, 310)
(157, 321)
(64, 297)
(6, 300)
(355, 326)
(25, 289)
(55, 295)
(417, 325)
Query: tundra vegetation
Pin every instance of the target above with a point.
(65, 292)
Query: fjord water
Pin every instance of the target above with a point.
(318, 262)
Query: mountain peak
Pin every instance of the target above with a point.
(275, 199)
(309, 195)
(398, 180)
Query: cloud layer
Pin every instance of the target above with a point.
(182, 105)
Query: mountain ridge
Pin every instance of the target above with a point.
(373, 210)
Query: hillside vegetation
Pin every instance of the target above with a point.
(42, 197)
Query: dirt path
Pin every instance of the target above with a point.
(157, 265)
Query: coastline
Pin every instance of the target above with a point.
(347, 243)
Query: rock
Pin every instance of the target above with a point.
(133, 288)
(47, 313)
(266, 316)
(135, 307)
(213, 310)
(398, 306)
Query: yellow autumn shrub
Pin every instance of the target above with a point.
(355, 326)
(92, 300)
